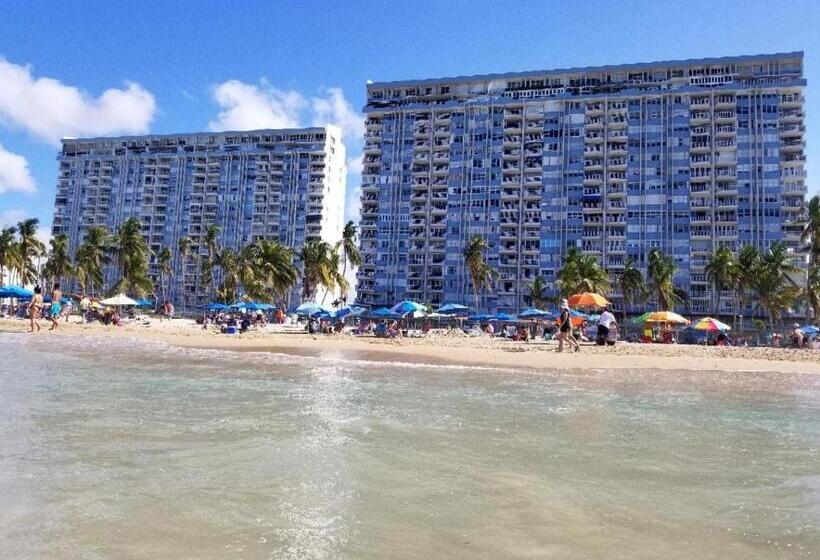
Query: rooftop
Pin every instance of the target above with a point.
(139, 137)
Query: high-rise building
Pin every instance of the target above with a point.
(684, 156)
(286, 185)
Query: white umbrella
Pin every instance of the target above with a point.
(119, 299)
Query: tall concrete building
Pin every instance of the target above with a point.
(682, 155)
(286, 185)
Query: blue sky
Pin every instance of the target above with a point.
(92, 68)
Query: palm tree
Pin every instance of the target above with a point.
(228, 262)
(275, 271)
(339, 278)
(58, 266)
(813, 290)
(317, 267)
(131, 254)
(661, 270)
(481, 273)
(29, 247)
(631, 285)
(721, 270)
(8, 252)
(165, 270)
(184, 250)
(811, 229)
(91, 257)
(209, 262)
(775, 290)
(747, 262)
(582, 273)
(537, 296)
(348, 247)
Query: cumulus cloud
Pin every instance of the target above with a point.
(334, 109)
(14, 173)
(50, 109)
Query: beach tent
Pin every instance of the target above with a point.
(587, 299)
(453, 309)
(666, 317)
(534, 313)
(407, 306)
(119, 299)
(711, 325)
(15, 292)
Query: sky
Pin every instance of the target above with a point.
(107, 68)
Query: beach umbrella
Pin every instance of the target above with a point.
(323, 314)
(453, 309)
(383, 313)
(481, 317)
(504, 317)
(96, 305)
(407, 306)
(810, 330)
(641, 319)
(119, 299)
(711, 325)
(15, 292)
(349, 310)
(216, 306)
(145, 303)
(534, 313)
(666, 317)
(309, 307)
(587, 299)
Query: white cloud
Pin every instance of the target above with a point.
(12, 216)
(248, 107)
(50, 109)
(335, 109)
(14, 173)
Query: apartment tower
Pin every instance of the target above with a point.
(286, 185)
(684, 156)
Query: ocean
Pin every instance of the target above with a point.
(126, 449)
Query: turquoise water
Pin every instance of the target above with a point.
(113, 449)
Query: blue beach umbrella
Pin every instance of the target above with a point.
(383, 313)
(349, 310)
(15, 292)
(216, 306)
(453, 309)
(407, 306)
(309, 308)
(145, 303)
(534, 313)
(504, 317)
(480, 317)
(810, 330)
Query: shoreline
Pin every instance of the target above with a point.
(454, 350)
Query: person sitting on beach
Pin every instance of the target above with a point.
(56, 306)
(797, 337)
(35, 307)
(667, 336)
(612, 335)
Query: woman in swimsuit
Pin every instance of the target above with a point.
(35, 306)
(565, 329)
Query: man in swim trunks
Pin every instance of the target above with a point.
(35, 307)
(56, 306)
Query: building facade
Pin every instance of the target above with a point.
(684, 156)
(286, 185)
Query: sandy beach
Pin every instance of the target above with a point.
(452, 349)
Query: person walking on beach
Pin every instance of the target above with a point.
(35, 307)
(565, 329)
(167, 310)
(56, 306)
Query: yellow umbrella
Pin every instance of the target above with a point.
(666, 317)
(587, 299)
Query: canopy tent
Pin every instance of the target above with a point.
(15, 292)
(407, 306)
(711, 325)
(587, 299)
(453, 309)
(119, 299)
(666, 317)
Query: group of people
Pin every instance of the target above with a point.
(37, 305)
(606, 330)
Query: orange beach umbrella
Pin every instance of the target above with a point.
(587, 299)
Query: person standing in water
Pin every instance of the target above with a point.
(565, 329)
(56, 306)
(35, 307)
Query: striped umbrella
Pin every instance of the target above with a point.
(711, 325)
